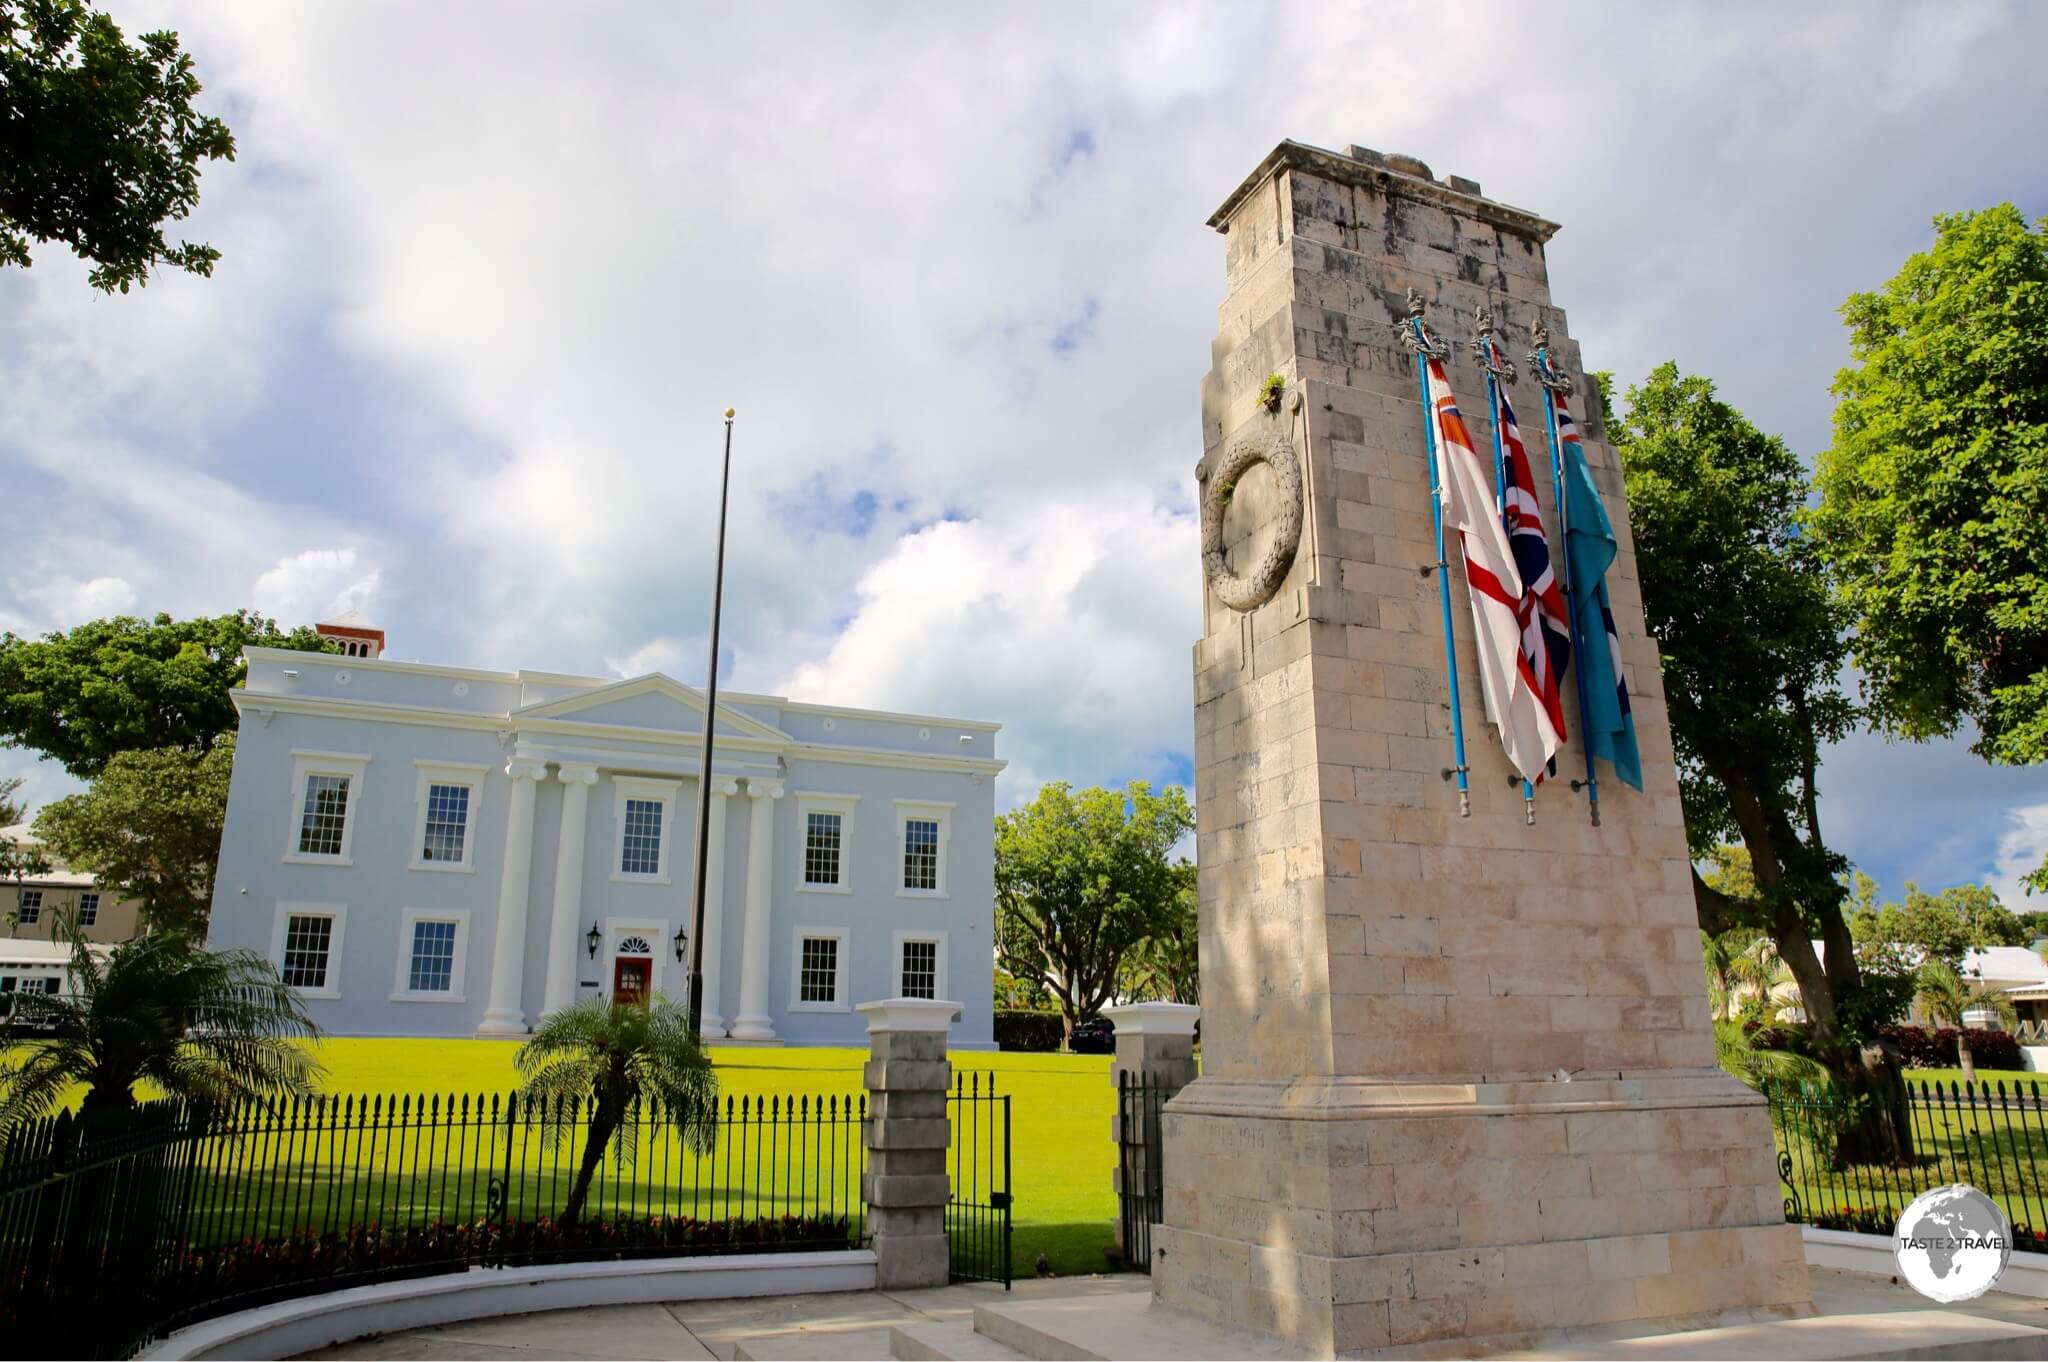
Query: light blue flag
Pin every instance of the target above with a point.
(1589, 547)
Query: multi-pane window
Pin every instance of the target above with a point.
(29, 911)
(640, 850)
(307, 940)
(823, 836)
(920, 854)
(325, 815)
(88, 909)
(819, 981)
(920, 969)
(447, 822)
(433, 957)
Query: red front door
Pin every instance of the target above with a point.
(629, 979)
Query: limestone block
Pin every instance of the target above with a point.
(914, 1074)
(903, 1262)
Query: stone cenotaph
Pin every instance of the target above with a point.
(1458, 1083)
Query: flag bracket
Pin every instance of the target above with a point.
(1540, 367)
(1483, 346)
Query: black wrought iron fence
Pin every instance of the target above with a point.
(978, 1208)
(1140, 1185)
(197, 1213)
(1986, 1134)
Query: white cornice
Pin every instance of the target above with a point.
(883, 715)
(385, 712)
(882, 756)
(377, 711)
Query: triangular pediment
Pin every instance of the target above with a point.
(654, 702)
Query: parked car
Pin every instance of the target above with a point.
(1095, 1036)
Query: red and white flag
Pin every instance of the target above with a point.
(1513, 695)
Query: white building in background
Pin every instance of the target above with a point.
(427, 850)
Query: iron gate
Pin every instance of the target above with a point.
(978, 1211)
(1140, 1186)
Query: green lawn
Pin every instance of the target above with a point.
(2011, 1078)
(1061, 1157)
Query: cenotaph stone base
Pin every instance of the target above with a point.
(1459, 1087)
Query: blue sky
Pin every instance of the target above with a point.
(490, 273)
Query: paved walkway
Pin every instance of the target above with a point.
(708, 1329)
(702, 1329)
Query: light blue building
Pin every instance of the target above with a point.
(428, 850)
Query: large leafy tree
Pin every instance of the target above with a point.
(1166, 966)
(99, 143)
(1752, 642)
(1934, 495)
(207, 1026)
(1082, 878)
(149, 829)
(619, 1063)
(125, 684)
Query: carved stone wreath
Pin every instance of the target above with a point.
(1245, 591)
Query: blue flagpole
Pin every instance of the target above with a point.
(1553, 382)
(1496, 369)
(1426, 347)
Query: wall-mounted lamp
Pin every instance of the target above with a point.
(594, 940)
(682, 945)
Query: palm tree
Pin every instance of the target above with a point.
(612, 1055)
(1947, 996)
(206, 1026)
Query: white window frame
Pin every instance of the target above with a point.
(94, 895)
(286, 911)
(642, 787)
(939, 985)
(843, 974)
(822, 801)
(21, 901)
(432, 773)
(306, 763)
(401, 992)
(928, 811)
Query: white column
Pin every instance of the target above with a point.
(564, 925)
(505, 1016)
(753, 1022)
(711, 950)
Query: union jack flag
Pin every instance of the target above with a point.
(1546, 633)
(1493, 584)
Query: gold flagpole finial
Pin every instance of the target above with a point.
(728, 413)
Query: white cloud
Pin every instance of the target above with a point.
(66, 601)
(315, 585)
(2021, 849)
(664, 655)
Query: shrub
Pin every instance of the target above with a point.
(1018, 1029)
(1936, 1049)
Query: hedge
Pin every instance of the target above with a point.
(1925, 1049)
(1018, 1029)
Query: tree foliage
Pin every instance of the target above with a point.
(608, 1058)
(1752, 643)
(149, 828)
(1942, 926)
(1166, 966)
(125, 684)
(99, 143)
(1934, 509)
(1082, 877)
(1947, 995)
(208, 1026)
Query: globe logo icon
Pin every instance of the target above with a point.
(1952, 1244)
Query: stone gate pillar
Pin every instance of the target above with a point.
(906, 1185)
(1459, 1086)
(1155, 1046)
